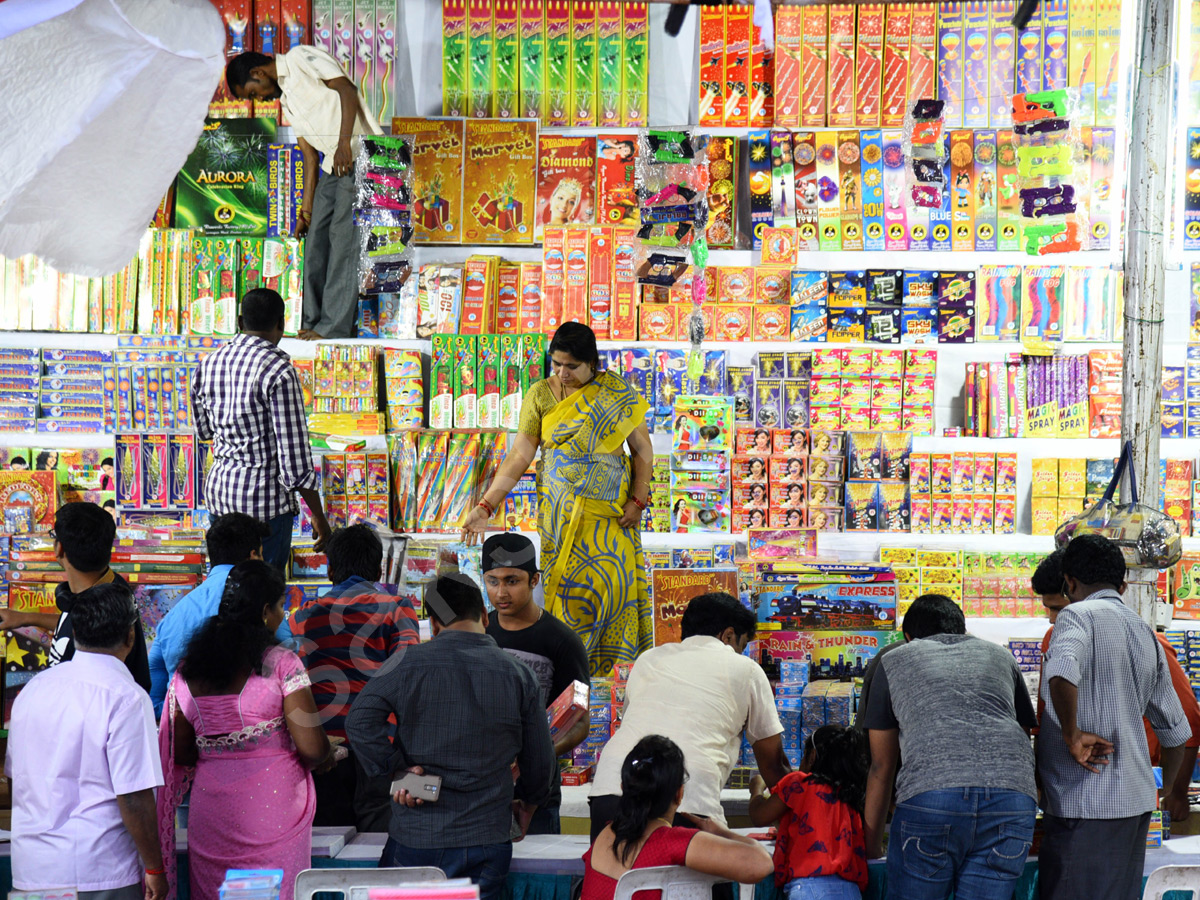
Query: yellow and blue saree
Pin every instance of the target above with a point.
(595, 569)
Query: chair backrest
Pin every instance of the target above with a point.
(675, 882)
(1172, 878)
(353, 884)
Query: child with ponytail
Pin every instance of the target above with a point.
(820, 853)
(643, 834)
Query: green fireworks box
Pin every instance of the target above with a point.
(222, 187)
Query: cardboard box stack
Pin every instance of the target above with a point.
(924, 572)
(964, 493)
(997, 585)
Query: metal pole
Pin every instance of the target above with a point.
(1151, 134)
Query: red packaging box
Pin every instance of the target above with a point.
(508, 300)
(814, 67)
(712, 66)
(738, 49)
(731, 321)
(868, 65)
(788, 470)
(567, 709)
(624, 293)
(576, 242)
(600, 264)
(896, 38)
(657, 321)
(789, 38)
(840, 94)
(553, 278)
(530, 297)
(771, 323)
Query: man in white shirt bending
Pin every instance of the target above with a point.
(84, 763)
(323, 107)
(701, 693)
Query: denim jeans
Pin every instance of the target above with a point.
(822, 887)
(277, 546)
(487, 865)
(971, 842)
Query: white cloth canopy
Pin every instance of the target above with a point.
(102, 103)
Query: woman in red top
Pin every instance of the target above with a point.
(642, 836)
(820, 853)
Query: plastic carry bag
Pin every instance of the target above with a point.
(1148, 538)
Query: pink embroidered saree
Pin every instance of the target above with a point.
(253, 800)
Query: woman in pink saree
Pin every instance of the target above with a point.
(240, 727)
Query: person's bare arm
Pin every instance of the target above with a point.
(10, 618)
(885, 758)
(140, 817)
(186, 753)
(718, 851)
(641, 457)
(1171, 760)
(1176, 800)
(1089, 750)
(764, 809)
(321, 529)
(304, 725)
(312, 171)
(521, 451)
(348, 94)
(772, 761)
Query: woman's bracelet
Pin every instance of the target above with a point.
(640, 505)
(487, 507)
(159, 871)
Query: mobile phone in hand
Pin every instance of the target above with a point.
(421, 787)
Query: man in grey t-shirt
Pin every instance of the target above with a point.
(957, 710)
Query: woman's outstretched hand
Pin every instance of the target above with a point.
(475, 525)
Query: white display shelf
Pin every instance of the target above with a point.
(56, 441)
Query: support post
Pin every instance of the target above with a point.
(1151, 134)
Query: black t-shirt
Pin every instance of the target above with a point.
(63, 648)
(556, 656)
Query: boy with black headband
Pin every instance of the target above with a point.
(552, 650)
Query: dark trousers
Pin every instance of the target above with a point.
(604, 809)
(347, 795)
(331, 252)
(277, 545)
(487, 866)
(545, 821)
(1092, 859)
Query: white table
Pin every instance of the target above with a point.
(575, 802)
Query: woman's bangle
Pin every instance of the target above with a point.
(487, 507)
(639, 503)
(156, 871)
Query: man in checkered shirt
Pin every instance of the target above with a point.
(247, 400)
(1104, 671)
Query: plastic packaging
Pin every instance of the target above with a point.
(925, 151)
(1053, 172)
(383, 213)
(671, 176)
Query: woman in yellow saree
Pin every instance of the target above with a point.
(591, 496)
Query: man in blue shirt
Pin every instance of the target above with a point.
(232, 539)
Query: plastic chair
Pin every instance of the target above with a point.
(353, 884)
(675, 882)
(1165, 879)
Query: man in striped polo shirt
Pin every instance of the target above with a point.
(345, 638)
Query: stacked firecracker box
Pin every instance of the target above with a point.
(920, 572)
(964, 493)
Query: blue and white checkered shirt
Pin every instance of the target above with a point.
(248, 401)
(1103, 648)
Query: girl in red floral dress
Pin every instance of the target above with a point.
(820, 853)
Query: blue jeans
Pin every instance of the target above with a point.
(971, 842)
(822, 887)
(487, 865)
(277, 546)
